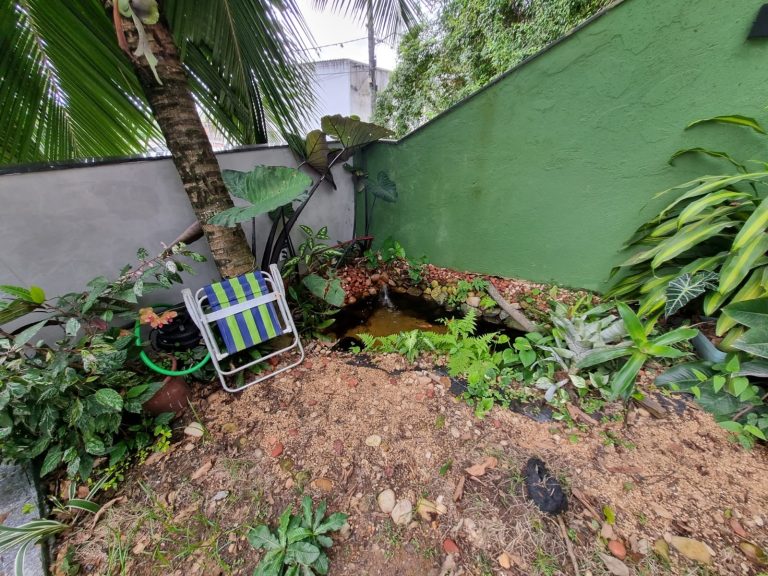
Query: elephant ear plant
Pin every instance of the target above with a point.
(315, 153)
(71, 390)
(710, 240)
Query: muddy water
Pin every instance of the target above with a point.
(385, 321)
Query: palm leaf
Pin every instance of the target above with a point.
(66, 89)
(389, 16)
(244, 60)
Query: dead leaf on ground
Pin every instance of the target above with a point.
(737, 528)
(614, 565)
(202, 471)
(480, 468)
(754, 553)
(459, 491)
(692, 549)
(429, 510)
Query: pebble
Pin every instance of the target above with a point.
(220, 495)
(454, 432)
(195, 429)
(450, 546)
(276, 450)
(386, 501)
(402, 513)
(373, 440)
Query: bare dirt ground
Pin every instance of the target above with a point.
(344, 428)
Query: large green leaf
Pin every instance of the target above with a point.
(265, 187)
(108, 398)
(694, 209)
(623, 382)
(632, 323)
(302, 553)
(688, 237)
(353, 133)
(316, 151)
(383, 187)
(707, 152)
(261, 537)
(685, 288)
(750, 313)
(602, 355)
(740, 262)
(735, 119)
(707, 184)
(328, 290)
(754, 226)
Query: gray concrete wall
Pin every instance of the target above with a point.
(59, 228)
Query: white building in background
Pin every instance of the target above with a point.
(343, 88)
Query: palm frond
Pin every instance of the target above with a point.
(244, 59)
(66, 90)
(389, 16)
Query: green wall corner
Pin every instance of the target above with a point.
(545, 173)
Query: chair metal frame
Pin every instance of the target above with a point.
(195, 305)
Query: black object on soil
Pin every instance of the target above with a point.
(543, 488)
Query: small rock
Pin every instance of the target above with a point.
(606, 531)
(373, 440)
(220, 495)
(386, 501)
(276, 450)
(618, 549)
(402, 513)
(504, 561)
(195, 430)
(473, 301)
(450, 547)
(338, 447)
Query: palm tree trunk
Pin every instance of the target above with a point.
(176, 114)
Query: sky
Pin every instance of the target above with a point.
(330, 28)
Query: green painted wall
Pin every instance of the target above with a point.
(544, 174)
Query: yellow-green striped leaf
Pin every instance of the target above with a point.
(753, 288)
(740, 262)
(641, 256)
(705, 263)
(753, 227)
(657, 281)
(652, 302)
(688, 237)
(709, 184)
(736, 119)
(695, 208)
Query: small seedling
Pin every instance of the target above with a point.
(298, 543)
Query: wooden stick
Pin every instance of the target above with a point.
(517, 316)
(568, 545)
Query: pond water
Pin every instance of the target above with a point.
(392, 312)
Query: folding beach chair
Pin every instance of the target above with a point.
(246, 311)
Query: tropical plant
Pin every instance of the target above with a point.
(36, 531)
(299, 543)
(725, 390)
(269, 188)
(641, 348)
(78, 394)
(710, 240)
(70, 90)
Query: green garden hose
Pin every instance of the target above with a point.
(159, 369)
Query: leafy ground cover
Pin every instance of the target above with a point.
(346, 428)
